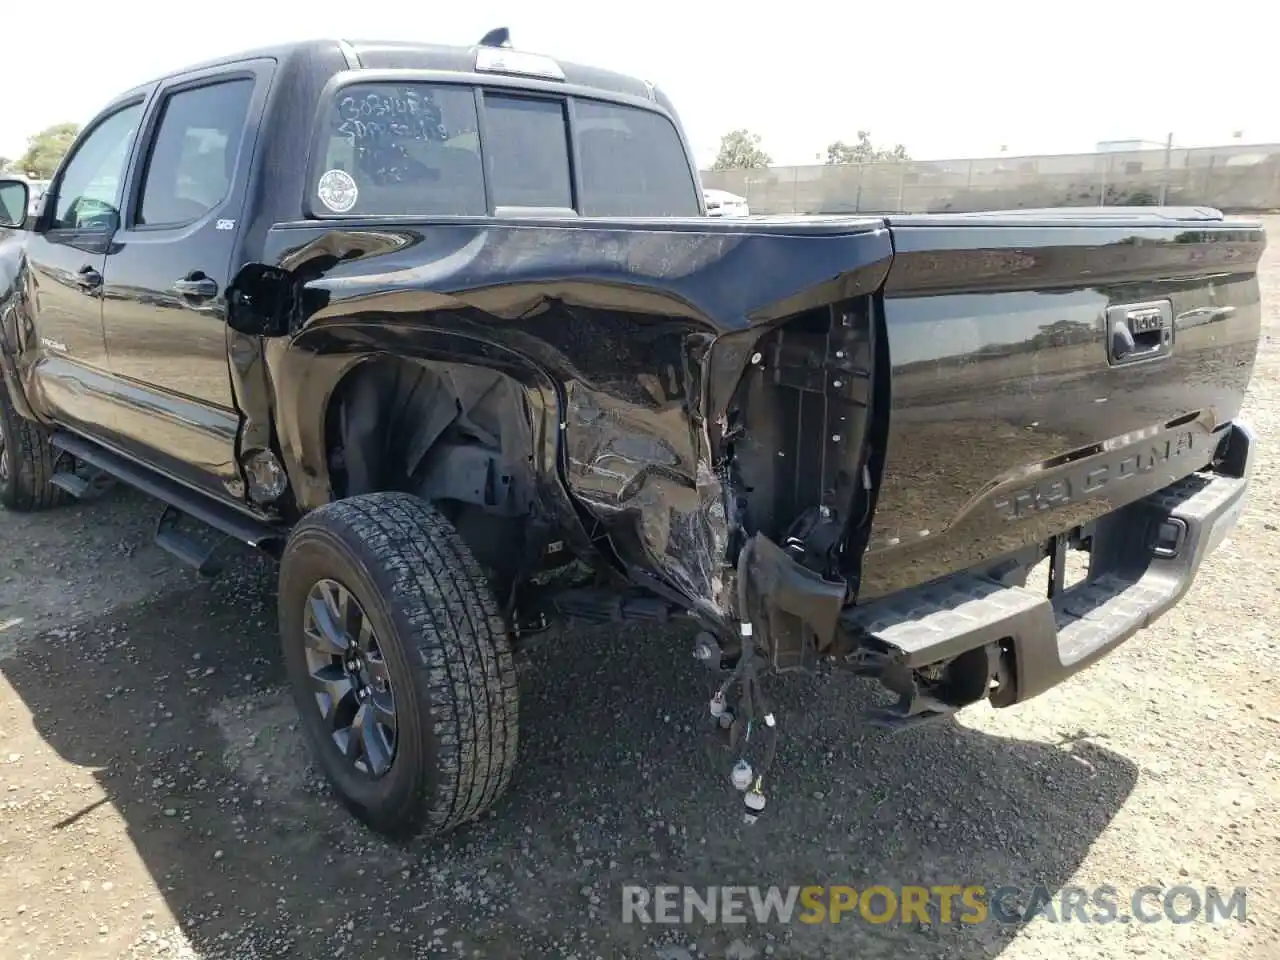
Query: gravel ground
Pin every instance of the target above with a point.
(156, 800)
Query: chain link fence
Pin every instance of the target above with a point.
(1232, 178)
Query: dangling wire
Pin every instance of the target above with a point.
(771, 733)
(754, 707)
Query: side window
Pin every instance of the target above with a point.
(89, 190)
(633, 163)
(194, 151)
(527, 144)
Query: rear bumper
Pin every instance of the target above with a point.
(1144, 557)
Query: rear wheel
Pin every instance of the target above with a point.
(400, 663)
(27, 461)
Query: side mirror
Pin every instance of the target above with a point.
(14, 196)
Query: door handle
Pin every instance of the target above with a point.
(201, 288)
(1139, 331)
(88, 278)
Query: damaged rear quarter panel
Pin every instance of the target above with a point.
(639, 330)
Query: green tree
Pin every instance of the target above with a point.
(5, 163)
(741, 150)
(864, 151)
(46, 149)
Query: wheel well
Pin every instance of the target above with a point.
(457, 435)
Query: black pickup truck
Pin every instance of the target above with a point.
(448, 332)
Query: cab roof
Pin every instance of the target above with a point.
(412, 55)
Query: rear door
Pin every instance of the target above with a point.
(168, 269)
(1047, 368)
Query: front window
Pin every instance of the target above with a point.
(415, 149)
(89, 191)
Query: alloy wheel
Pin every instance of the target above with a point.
(350, 678)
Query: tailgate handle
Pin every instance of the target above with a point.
(1139, 331)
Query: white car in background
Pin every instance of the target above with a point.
(721, 203)
(37, 189)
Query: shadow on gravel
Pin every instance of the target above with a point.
(177, 704)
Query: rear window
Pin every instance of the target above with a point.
(416, 150)
(527, 142)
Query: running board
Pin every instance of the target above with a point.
(179, 500)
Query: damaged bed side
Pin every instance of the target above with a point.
(650, 402)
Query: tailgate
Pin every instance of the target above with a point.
(1048, 367)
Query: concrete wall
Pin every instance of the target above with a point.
(1244, 178)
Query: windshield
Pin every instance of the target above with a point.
(415, 149)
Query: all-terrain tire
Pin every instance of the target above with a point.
(27, 462)
(445, 643)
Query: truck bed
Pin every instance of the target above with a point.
(944, 385)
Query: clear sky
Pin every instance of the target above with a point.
(947, 79)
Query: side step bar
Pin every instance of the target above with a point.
(179, 500)
(1144, 557)
(200, 553)
(83, 488)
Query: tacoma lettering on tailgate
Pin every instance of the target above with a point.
(1090, 476)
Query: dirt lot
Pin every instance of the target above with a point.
(156, 799)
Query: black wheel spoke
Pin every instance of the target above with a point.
(323, 629)
(354, 623)
(373, 743)
(381, 698)
(364, 636)
(333, 687)
(384, 709)
(353, 746)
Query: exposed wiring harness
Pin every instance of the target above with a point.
(752, 708)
